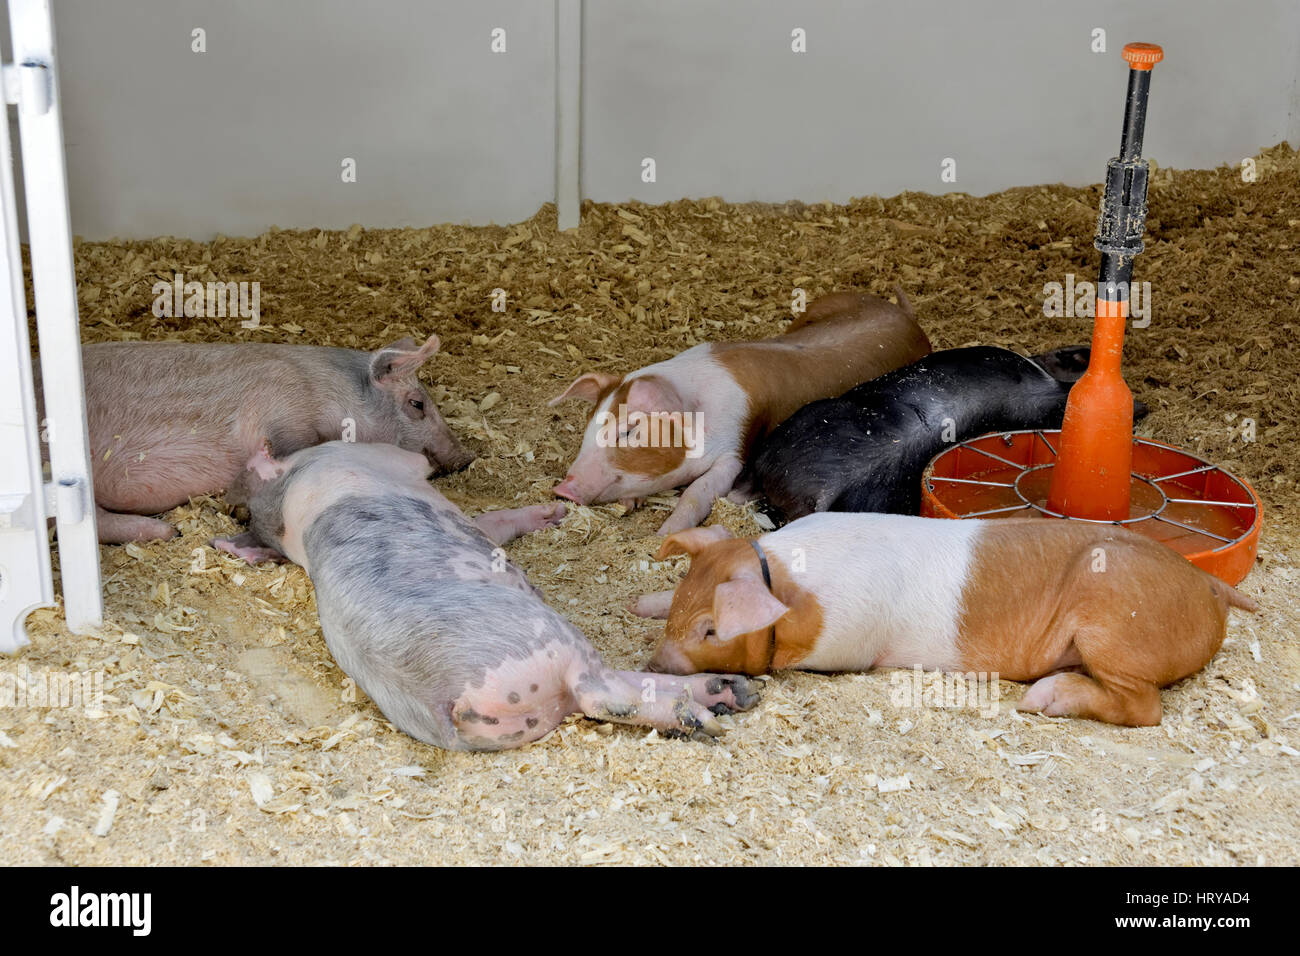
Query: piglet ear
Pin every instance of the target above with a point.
(744, 605)
(264, 464)
(692, 541)
(587, 387)
(650, 393)
(248, 547)
(1066, 365)
(402, 358)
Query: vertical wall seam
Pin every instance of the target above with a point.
(568, 113)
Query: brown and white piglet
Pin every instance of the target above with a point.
(171, 420)
(1100, 617)
(691, 420)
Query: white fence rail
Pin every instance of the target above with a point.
(26, 500)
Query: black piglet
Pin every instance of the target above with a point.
(866, 450)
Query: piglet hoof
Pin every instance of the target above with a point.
(656, 605)
(536, 517)
(631, 504)
(1069, 694)
(695, 720)
(154, 529)
(247, 547)
(1040, 698)
(734, 692)
(117, 528)
(678, 522)
(501, 527)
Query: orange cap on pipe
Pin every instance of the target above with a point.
(1143, 56)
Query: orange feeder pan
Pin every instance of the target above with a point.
(1206, 514)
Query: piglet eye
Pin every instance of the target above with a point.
(711, 633)
(417, 404)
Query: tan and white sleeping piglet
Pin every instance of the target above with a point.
(1100, 617)
(691, 420)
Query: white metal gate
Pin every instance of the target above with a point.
(26, 499)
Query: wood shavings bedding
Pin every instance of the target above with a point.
(228, 735)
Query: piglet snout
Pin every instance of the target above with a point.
(668, 659)
(568, 488)
(451, 459)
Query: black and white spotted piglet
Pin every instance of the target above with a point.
(420, 607)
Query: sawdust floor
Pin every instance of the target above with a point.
(229, 735)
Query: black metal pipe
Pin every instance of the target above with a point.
(1122, 222)
(1135, 115)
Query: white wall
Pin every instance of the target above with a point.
(887, 90)
(162, 140)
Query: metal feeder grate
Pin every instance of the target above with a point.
(1200, 510)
